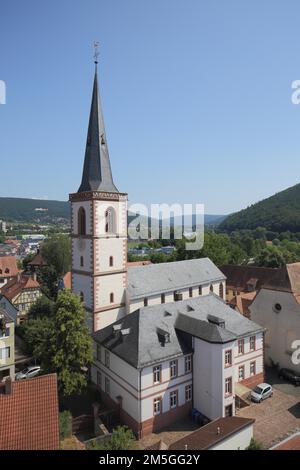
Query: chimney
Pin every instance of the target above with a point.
(19, 277)
(185, 447)
(34, 276)
(218, 430)
(8, 386)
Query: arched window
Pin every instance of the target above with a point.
(221, 290)
(81, 261)
(111, 298)
(110, 220)
(81, 222)
(211, 288)
(111, 261)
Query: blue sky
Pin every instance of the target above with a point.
(196, 97)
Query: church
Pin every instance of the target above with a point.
(165, 342)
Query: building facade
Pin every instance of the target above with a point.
(159, 362)
(7, 346)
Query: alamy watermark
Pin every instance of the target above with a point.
(296, 354)
(2, 92)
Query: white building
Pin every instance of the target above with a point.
(160, 361)
(276, 307)
(165, 341)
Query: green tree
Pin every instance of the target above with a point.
(42, 307)
(270, 257)
(71, 344)
(56, 251)
(122, 438)
(254, 445)
(65, 424)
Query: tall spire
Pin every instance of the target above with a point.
(97, 174)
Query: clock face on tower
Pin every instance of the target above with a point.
(80, 244)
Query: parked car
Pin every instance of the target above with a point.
(290, 375)
(28, 372)
(261, 392)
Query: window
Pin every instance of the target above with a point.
(5, 353)
(111, 261)
(81, 221)
(99, 378)
(228, 358)
(156, 374)
(163, 298)
(111, 298)
(241, 343)
(188, 393)
(81, 261)
(107, 385)
(173, 399)
(211, 288)
(252, 368)
(221, 290)
(145, 302)
(228, 411)
(190, 292)
(106, 359)
(200, 290)
(252, 343)
(277, 308)
(173, 369)
(156, 406)
(81, 296)
(188, 363)
(241, 372)
(110, 220)
(228, 386)
(98, 352)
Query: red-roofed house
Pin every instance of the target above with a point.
(29, 414)
(8, 269)
(22, 292)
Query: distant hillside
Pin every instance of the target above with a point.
(38, 210)
(277, 213)
(32, 210)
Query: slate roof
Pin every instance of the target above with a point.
(154, 279)
(143, 344)
(29, 415)
(97, 175)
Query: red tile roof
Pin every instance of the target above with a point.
(212, 433)
(67, 280)
(15, 286)
(38, 260)
(293, 443)
(8, 266)
(29, 415)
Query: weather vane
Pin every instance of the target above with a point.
(96, 54)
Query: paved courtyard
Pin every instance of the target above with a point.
(275, 418)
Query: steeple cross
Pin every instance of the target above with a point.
(96, 53)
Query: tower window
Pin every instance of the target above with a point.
(81, 221)
(111, 261)
(211, 288)
(81, 261)
(221, 290)
(111, 297)
(110, 220)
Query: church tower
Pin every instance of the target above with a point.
(99, 229)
